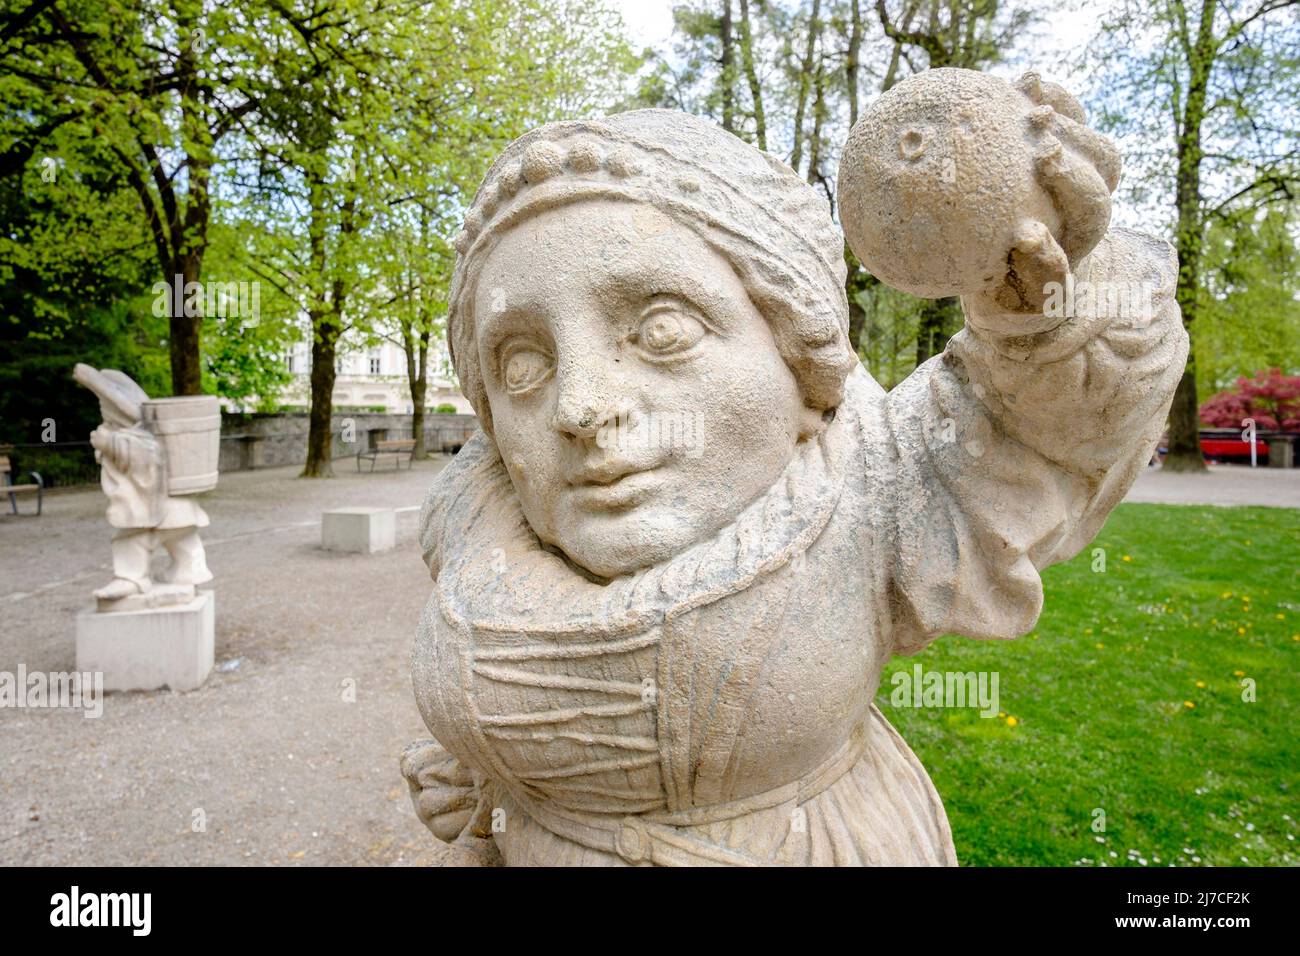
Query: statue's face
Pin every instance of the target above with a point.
(638, 397)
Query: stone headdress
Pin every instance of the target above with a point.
(774, 229)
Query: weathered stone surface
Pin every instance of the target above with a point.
(670, 568)
(366, 530)
(169, 646)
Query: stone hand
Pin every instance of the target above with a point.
(1034, 262)
(442, 790)
(107, 447)
(1077, 167)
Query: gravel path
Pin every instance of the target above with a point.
(283, 768)
(1221, 485)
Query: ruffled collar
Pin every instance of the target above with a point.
(493, 574)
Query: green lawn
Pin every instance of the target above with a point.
(1128, 698)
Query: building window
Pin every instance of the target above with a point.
(374, 365)
(290, 362)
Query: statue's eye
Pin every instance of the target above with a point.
(525, 367)
(665, 330)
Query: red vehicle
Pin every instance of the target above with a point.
(1233, 450)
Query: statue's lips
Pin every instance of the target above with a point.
(615, 494)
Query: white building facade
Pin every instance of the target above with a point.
(372, 377)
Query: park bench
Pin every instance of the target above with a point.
(7, 487)
(399, 448)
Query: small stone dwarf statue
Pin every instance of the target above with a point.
(134, 476)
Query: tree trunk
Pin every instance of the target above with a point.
(1184, 415)
(417, 379)
(751, 74)
(324, 343)
(852, 64)
(728, 75)
(856, 281)
(419, 452)
(185, 331)
(320, 448)
(189, 229)
(805, 84)
(934, 326)
(815, 141)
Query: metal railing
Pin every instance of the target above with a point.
(72, 463)
(60, 464)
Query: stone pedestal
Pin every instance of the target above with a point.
(364, 530)
(149, 649)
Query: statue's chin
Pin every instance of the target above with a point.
(607, 546)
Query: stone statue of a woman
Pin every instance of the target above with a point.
(692, 530)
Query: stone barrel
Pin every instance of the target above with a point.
(189, 428)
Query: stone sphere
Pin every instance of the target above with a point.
(933, 180)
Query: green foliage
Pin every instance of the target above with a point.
(790, 76)
(36, 378)
(445, 409)
(1100, 692)
(1250, 312)
(59, 467)
(327, 153)
(1203, 96)
(72, 279)
(243, 355)
(1143, 65)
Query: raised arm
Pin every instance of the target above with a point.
(1013, 448)
(1015, 443)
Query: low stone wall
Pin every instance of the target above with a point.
(269, 441)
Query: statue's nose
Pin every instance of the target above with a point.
(587, 398)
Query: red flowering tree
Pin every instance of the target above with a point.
(1270, 398)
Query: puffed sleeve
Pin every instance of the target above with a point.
(1012, 448)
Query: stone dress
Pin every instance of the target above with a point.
(717, 708)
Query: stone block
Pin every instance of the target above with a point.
(150, 648)
(362, 530)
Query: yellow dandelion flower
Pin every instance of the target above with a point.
(1225, 595)
(1126, 558)
(1011, 721)
(1241, 630)
(1245, 597)
(1100, 646)
(1189, 705)
(1238, 673)
(1200, 683)
(1281, 617)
